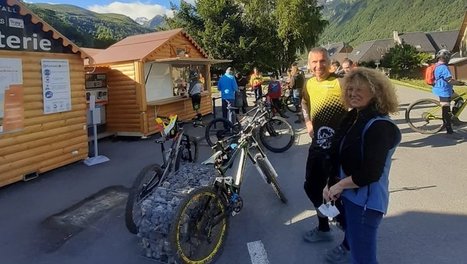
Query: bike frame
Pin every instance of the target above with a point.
(243, 150)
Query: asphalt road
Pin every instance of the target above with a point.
(74, 214)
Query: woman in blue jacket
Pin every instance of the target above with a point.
(364, 160)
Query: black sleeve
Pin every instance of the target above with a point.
(380, 137)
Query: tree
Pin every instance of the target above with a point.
(403, 59)
(299, 26)
(264, 33)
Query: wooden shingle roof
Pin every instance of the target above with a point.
(138, 47)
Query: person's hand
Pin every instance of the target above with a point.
(335, 192)
(309, 128)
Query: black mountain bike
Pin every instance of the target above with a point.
(201, 223)
(274, 132)
(182, 148)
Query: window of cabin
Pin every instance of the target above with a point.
(158, 81)
(181, 77)
(165, 80)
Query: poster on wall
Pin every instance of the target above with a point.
(56, 90)
(11, 95)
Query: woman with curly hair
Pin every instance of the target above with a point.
(369, 139)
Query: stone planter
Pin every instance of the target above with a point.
(160, 208)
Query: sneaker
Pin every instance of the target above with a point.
(338, 255)
(316, 235)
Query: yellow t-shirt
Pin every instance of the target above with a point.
(326, 109)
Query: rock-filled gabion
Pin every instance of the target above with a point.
(160, 208)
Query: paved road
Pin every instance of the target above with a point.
(75, 214)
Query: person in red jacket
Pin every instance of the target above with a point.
(274, 93)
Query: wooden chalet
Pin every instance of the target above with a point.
(42, 103)
(147, 77)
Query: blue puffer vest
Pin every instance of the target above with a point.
(374, 196)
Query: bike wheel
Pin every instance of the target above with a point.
(270, 177)
(199, 228)
(145, 182)
(425, 116)
(291, 105)
(218, 129)
(277, 134)
(188, 151)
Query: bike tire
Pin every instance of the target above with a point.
(188, 151)
(425, 116)
(290, 104)
(264, 166)
(191, 219)
(277, 134)
(151, 172)
(218, 129)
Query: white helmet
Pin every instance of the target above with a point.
(443, 53)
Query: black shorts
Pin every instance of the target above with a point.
(196, 101)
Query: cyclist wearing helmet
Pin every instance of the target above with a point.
(443, 87)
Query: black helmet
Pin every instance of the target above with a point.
(193, 75)
(445, 54)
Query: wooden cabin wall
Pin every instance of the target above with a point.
(47, 141)
(124, 100)
(183, 109)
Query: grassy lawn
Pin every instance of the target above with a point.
(420, 84)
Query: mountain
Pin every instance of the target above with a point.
(356, 21)
(155, 22)
(141, 20)
(86, 28)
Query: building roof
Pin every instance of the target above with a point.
(138, 47)
(462, 32)
(371, 50)
(419, 40)
(443, 39)
(23, 10)
(335, 48)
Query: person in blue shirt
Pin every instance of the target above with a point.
(227, 85)
(443, 87)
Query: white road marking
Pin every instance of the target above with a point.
(300, 217)
(257, 252)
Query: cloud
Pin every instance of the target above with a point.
(133, 10)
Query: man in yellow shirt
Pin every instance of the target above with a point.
(322, 111)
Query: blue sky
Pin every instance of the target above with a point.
(133, 9)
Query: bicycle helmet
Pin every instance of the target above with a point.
(193, 75)
(443, 53)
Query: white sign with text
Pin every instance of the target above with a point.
(56, 89)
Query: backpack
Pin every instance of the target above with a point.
(430, 74)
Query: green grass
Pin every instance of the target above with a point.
(421, 85)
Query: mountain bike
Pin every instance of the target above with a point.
(182, 148)
(275, 133)
(201, 223)
(425, 115)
